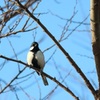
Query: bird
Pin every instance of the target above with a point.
(35, 58)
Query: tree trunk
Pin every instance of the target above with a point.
(95, 31)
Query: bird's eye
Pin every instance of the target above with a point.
(34, 45)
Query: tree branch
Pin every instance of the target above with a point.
(53, 79)
(60, 47)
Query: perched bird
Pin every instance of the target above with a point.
(35, 58)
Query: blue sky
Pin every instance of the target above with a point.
(78, 45)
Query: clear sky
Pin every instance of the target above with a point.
(56, 14)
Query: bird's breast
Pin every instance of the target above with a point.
(30, 57)
(36, 59)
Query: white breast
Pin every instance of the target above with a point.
(30, 57)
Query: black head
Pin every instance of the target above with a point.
(34, 44)
(34, 47)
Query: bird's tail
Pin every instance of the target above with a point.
(44, 80)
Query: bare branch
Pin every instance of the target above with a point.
(60, 47)
(12, 80)
(53, 79)
(19, 31)
(12, 12)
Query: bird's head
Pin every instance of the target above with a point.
(34, 46)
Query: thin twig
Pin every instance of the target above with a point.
(12, 80)
(19, 31)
